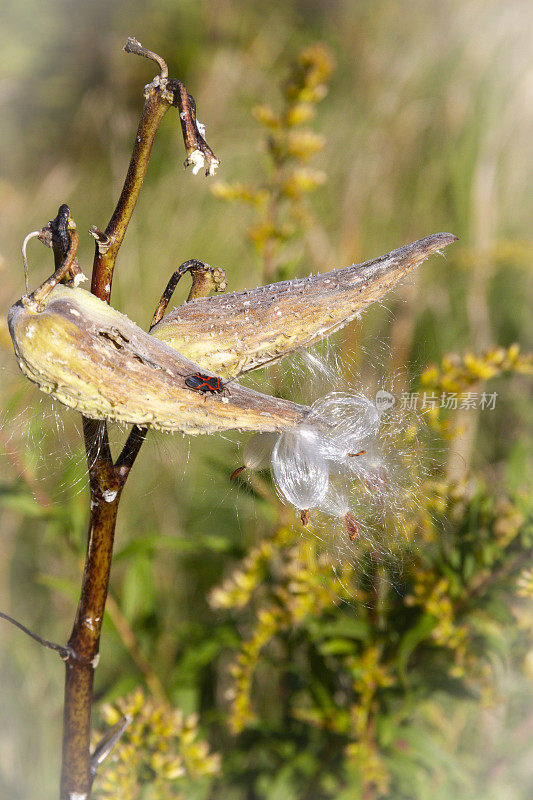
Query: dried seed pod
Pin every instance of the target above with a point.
(241, 330)
(92, 358)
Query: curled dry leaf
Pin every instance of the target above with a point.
(242, 330)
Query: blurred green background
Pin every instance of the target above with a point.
(428, 124)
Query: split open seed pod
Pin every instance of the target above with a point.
(94, 359)
(91, 357)
(241, 330)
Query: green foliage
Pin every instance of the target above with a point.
(374, 674)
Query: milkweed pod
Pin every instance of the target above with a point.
(92, 358)
(241, 330)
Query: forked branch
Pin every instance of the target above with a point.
(106, 478)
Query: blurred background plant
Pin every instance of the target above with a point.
(307, 684)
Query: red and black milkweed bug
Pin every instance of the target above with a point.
(204, 383)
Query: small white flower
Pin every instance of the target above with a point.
(196, 161)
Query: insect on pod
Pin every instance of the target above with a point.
(94, 359)
(206, 384)
(91, 357)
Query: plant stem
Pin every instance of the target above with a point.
(107, 479)
(84, 641)
(155, 108)
(63, 652)
(106, 483)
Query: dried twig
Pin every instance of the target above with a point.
(108, 741)
(36, 299)
(205, 279)
(135, 47)
(64, 652)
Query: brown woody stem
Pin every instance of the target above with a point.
(106, 478)
(157, 102)
(76, 778)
